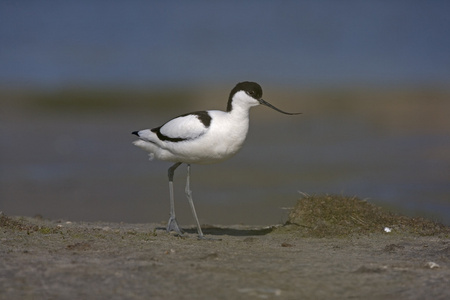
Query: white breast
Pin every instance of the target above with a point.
(222, 139)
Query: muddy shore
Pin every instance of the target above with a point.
(57, 259)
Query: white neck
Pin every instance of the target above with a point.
(241, 104)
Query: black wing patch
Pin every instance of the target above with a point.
(203, 117)
(163, 137)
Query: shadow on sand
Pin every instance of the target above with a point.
(215, 231)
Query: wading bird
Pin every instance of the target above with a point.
(202, 137)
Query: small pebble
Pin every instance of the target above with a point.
(169, 251)
(432, 265)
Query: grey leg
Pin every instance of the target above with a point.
(191, 202)
(172, 225)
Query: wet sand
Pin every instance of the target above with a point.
(56, 259)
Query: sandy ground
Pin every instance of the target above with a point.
(42, 259)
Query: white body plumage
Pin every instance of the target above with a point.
(201, 137)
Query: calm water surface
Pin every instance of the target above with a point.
(84, 167)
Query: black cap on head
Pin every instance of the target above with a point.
(251, 88)
(255, 91)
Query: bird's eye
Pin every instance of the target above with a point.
(251, 93)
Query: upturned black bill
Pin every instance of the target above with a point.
(261, 101)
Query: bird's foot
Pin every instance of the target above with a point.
(172, 225)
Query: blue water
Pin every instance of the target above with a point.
(146, 43)
(79, 166)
